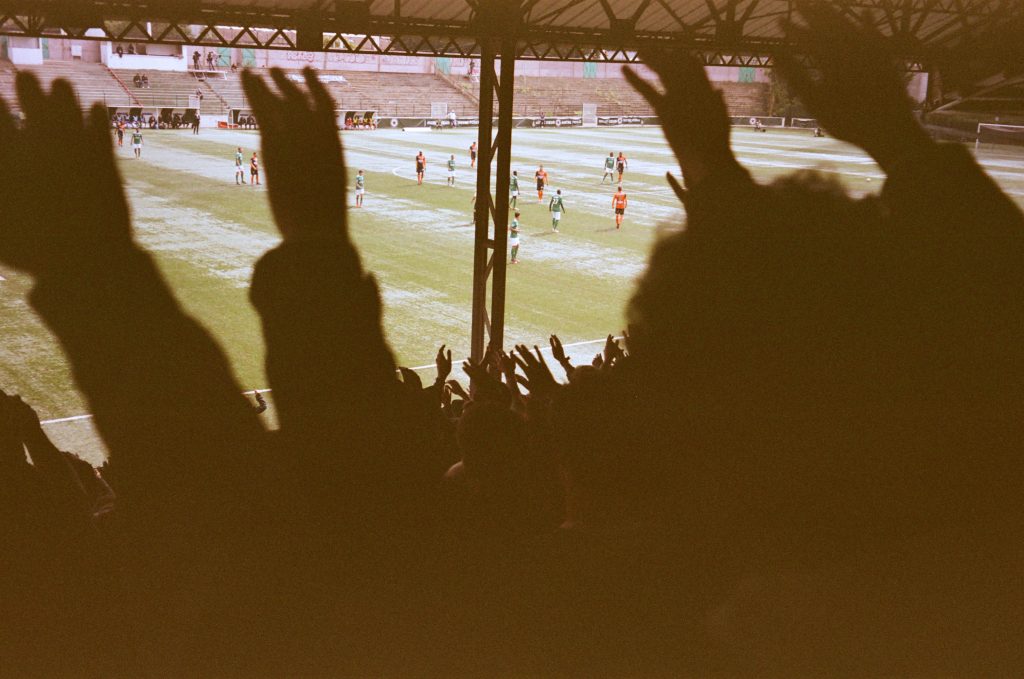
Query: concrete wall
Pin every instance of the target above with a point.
(342, 62)
(25, 51)
(166, 58)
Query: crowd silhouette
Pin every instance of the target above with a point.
(802, 460)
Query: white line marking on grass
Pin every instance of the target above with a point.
(67, 419)
(76, 418)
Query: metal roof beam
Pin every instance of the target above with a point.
(539, 38)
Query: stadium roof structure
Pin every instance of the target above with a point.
(720, 32)
(724, 32)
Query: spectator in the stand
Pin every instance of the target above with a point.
(137, 80)
(234, 67)
(209, 60)
(131, 48)
(145, 81)
(120, 51)
(195, 59)
(176, 121)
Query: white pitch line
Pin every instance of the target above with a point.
(76, 418)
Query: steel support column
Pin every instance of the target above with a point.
(482, 207)
(490, 249)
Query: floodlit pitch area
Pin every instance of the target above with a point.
(207, 233)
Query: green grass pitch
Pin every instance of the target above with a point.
(207, 233)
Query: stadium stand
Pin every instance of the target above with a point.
(172, 89)
(406, 94)
(228, 88)
(409, 94)
(744, 99)
(7, 87)
(93, 82)
(566, 96)
(1001, 104)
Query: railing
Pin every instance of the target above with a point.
(154, 102)
(158, 100)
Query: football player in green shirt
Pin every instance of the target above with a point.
(513, 239)
(137, 142)
(513, 188)
(556, 207)
(609, 167)
(239, 167)
(451, 171)
(360, 188)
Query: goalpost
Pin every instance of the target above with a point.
(803, 123)
(996, 133)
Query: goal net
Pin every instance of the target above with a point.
(804, 123)
(993, 133)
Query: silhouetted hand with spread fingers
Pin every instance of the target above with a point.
(539, 380)
(443, 362)
(612, 351)
(302, 154)
(858, 94)
(42, 232)
(487, 385)
(558, 352)
(508, 369)
(457, 390)
(692, 113)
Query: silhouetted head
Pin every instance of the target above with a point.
(490, 439)
(808, 351)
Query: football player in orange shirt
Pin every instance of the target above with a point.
(619, 204)
(542, 181)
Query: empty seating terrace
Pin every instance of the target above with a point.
(405, 94)
(7, 92)
(566, 96)
(171, 89)
(92, 82)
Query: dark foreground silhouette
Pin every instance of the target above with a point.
(805, 460)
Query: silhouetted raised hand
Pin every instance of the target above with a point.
(443, 363)
(612, 352)
(539, 380)
(508, 369)
(160, 390)
(487, 385)
(859, 95)
(302, 154)
(457, 390)
(338, 347)
(40, 232)
(693, 115)
(558, 352)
